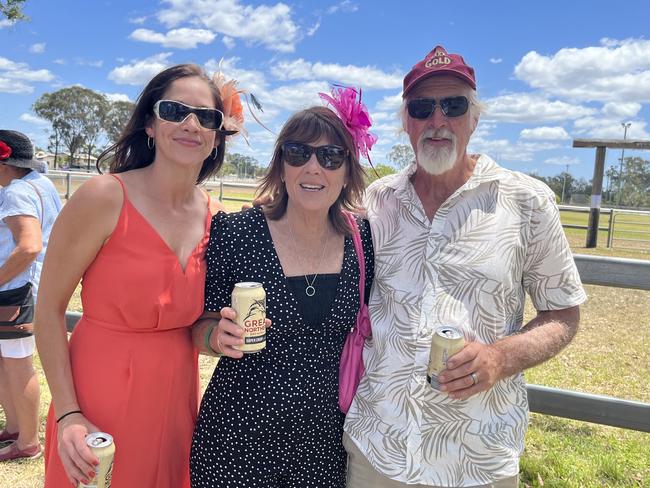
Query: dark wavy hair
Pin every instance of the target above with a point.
(131, 150)
(307, 126)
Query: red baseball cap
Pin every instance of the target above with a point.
(439, 62)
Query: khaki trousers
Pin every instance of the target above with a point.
(361, 474)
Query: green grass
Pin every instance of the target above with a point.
(626, 227)
(609, 356)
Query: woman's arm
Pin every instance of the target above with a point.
(26, 232)
(82, 228)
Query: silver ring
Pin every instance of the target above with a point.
(474, 378)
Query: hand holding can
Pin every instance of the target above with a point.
(101, 444)
(446, 342)
(249, 301)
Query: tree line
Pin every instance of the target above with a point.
(84, 121)
(81, 120)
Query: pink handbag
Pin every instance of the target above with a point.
(351, 368)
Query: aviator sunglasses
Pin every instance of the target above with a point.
(329, 157)
(177, 112)
(423, 108)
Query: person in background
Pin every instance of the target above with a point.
(137, 237)
(272, 419)
(458, 241)
(29, 204)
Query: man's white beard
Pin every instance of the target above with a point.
(436, 160)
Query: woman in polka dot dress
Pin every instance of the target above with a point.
(271, 419)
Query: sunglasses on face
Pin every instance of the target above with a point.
(423, 108)
(177, 112)
(329, 156)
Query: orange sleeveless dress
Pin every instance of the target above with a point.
(134, 366)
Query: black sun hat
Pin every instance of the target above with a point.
(17, 150)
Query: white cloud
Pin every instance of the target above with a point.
(562, 161)
(392, 102)
(16, 77)
(117, 97)
(503, 149)
(38, 48)
(344, 6)
(32, 119)
(229, 42)
(60, 61)
(137, 20)
(6, 23)
(298, 96)
(13, 86)
(545, 133)
(183, 38)
(93, 64)
(621, 109)
(496, 60)
(366, 76)
(530, 107)
(270, 26)
(312, 30)
(140, 71)
(613, 71)
(599, 127)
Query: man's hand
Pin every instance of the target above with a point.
(475, 368)
(478, 367)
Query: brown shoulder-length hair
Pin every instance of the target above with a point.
(131, 150)
(307, 126)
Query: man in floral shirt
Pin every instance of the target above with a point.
(458, 241)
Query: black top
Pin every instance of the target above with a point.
(314, 309)
(261, 413)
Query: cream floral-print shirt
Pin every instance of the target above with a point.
(495, 238)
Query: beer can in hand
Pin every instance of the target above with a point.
(101, 444)
(249, 301)
(446, 342)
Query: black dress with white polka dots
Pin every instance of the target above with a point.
(271, 419)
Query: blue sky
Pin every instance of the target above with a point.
(549, 71)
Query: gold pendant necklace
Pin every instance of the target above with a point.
(310, 291)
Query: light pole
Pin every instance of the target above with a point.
(564, 183)
(626, 126)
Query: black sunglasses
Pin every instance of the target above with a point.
(329, 156)
(177, 112)
(423, 108)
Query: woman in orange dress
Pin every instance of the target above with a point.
(137, 237)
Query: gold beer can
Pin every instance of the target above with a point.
(101, 444)
(446, 342)
(249, 301)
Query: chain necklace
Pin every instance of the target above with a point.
(310, 291)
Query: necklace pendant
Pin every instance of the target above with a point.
(310, 291)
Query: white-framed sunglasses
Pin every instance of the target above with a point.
(178, 112)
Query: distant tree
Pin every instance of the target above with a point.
(12, 9)
(635, 182)
(77, 114)
(227, 169)
(94, 123)
(118, 115)
(401, 155)
(246, 166)
(54, 142)
(381, 169)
